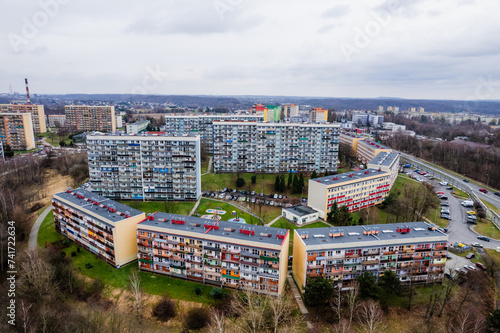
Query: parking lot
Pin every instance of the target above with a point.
(272, 199)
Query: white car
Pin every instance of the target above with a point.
(443, 183)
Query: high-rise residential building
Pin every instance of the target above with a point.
(380, 108)
(294, 110)
(55, 120)
(355, 189)
(421, 109)
(226, 254)
(91, 117)
(2, 155)
(350, 139)
(390, 108)
(414, 251)
(119, 121)
(367, 150)
(396, 109)
(146, 166)
(318, 115)
(202, 125)
(275, 147)
(375, 120)
(16, 130)
(104, 227)
(137, 127)
(410, 109)
(360, 119)
(36, 112)
(258, 109)
(272, 113)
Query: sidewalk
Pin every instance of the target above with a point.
(36, 226)
(300, 303)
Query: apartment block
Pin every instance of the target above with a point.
(104, 227)
(355, 189)
(290, 110)
(202, 125)
(366, 150)
(2, 155)
(375, 120)
(146, 166)
(275, 147)
(91, 117)
(350, 139)
(226, 254)
(413, 251)
(360, 118)
(137, 127)
(36, 112)
(55, 120)
(16, 130)
(272, 113)
(318, 115)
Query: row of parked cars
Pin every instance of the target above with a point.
(251, 197)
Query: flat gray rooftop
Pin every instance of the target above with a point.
(375, 144)
(300, 210)
(140, 122)
(230, 230)
(384, 158)
(104, 212)
(344, 177)
(384, 232)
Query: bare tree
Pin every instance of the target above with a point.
(370, 317)
(251, 309)
(37, 279)
(352, 302)
(136, 289)
(336, 304)
(281, 310)
(24, 314)
(218, 323)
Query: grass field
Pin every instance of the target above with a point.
(487, 228)
(54, 139)
(491, 206)
(118, 278)
(208, 203)
(264, 183)
(183, 208)
(285, 224)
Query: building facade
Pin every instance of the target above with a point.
(202, 125)
(354, 189)
(36, 111)
(2, 155)
(350, 139)
(16, 130)
(275, 147)
(137, 127)
(375, 120)
(91, 117)
(225, 254)
(413, 251)
(360, 119)
(318, 115)
(147, 166)
(55, 120)
(104, 227)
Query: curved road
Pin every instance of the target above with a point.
(34, 229)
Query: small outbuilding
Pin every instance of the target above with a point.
(300, 214)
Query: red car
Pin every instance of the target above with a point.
(478, 264)
(483, 190)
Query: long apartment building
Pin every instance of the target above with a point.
(226, 254)
(91, 117)
(367, 150)
(355, 189)
(16, 130)
(146, 166)
(202, 125)
(413, 251)
(350, 139)
(55, 120)
(104, 227)
(275, 147)
(36, 111)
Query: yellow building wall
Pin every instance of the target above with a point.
(28, 131)
(283, 263)
(113, 119)
(125, 239)
(41, 119)
(299, 261)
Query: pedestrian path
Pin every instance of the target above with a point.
(34, 229)
(300, 303)
(195, 207)
(276, 219)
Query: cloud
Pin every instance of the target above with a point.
(337, 11)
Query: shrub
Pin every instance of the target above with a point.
(73, 253)
(217, 293)
(197, 318)
(240, 182)
(197, 291)
(165, 309)
(254, 179)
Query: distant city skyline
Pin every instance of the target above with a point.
(365, 49)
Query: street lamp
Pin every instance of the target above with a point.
(488, 182)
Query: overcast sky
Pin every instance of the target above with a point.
(447, 49)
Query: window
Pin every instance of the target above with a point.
(330, 253)
(254, 251)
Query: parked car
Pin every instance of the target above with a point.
(439, 192)
(445, 211)
(443, 183)
(470, 256)
(470, 268)
(449, 188)
(280, 204)
(444, 197)
(476, 245)
(304, 199)
(271, 195)
(472, 217)
(267, 202)
(243, 192)
(480, 265)
(486, 239)
(471, 221)
(275, 196)
(497, 193)
(235, 190)
(448, 256)
(471, 212)
(466, 180)
(445, 216)
(444, 204)
(253, 200)
(222, 196)
(253, 192)
(280, 197)
(235, 198)
(230, 197)
(483, 190)
(212, 195)
(225, 189)
(272, 203)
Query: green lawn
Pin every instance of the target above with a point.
(183, 208)
(118, 278)
(228, 208)
(485, 227)
(54, 139)
(491, 206)
(264, 183)
(285, 224)
(459, 193)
